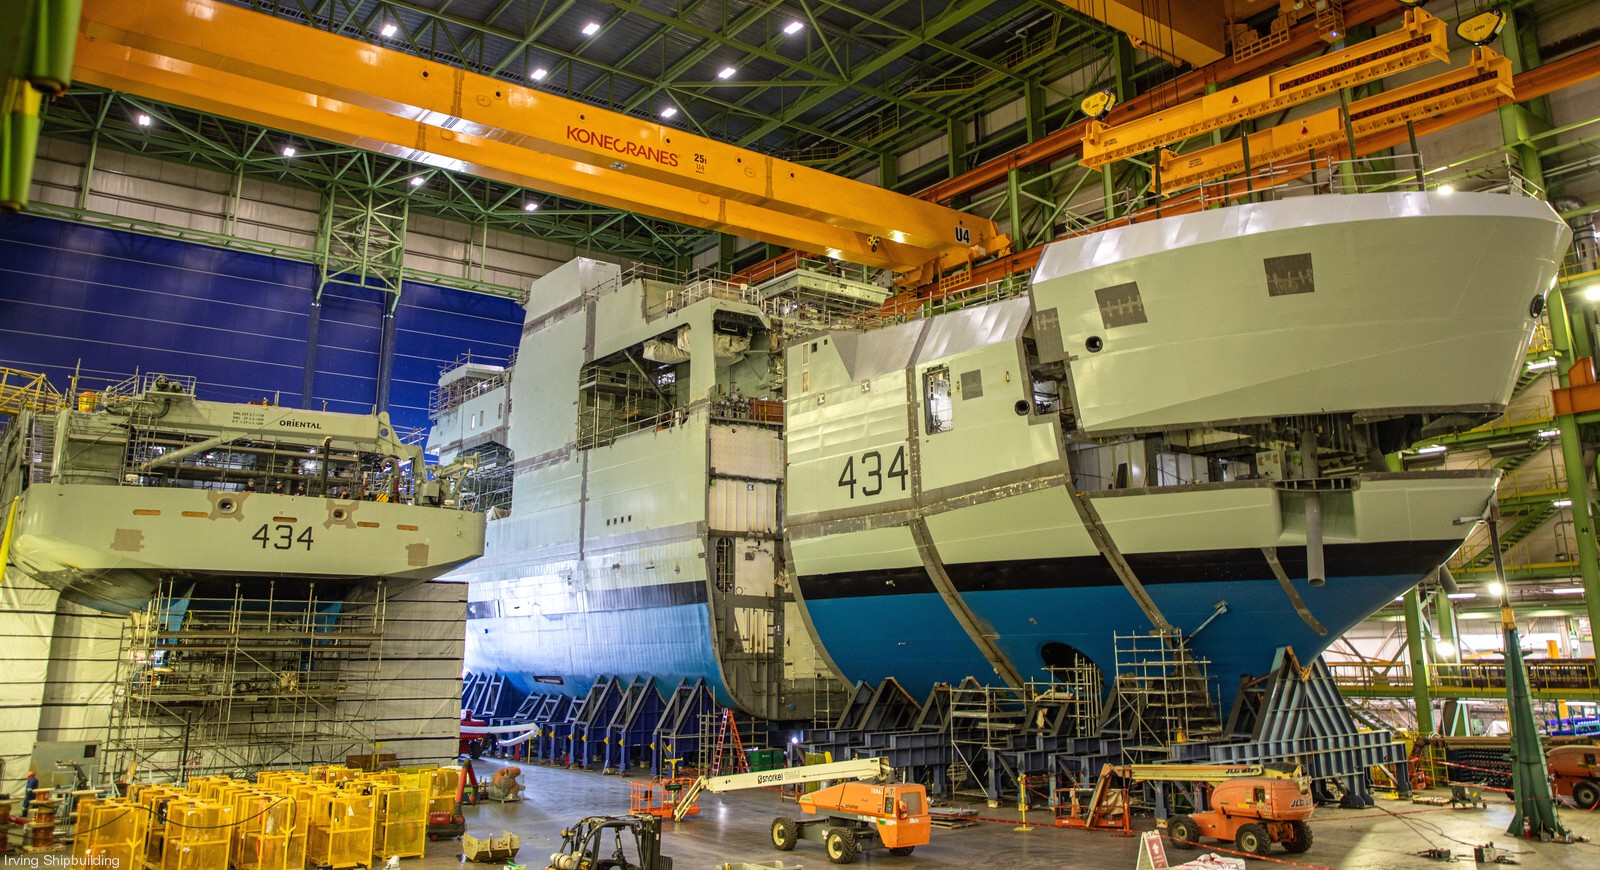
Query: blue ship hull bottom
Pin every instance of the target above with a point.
(648, 635)
(880, 624)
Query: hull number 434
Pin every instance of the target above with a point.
(865, 476)
(282, 536)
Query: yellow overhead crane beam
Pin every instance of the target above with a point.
(1486, 77)
(230, 61)
(1192, 32)
(1420, 40)
(1212, 773)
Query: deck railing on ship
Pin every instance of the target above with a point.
(442, 400)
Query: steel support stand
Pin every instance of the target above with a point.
(1534, 810)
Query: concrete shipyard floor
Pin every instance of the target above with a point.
(733, 827)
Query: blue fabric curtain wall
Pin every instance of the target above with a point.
(109, 303)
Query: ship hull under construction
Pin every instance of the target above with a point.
(1191, 426)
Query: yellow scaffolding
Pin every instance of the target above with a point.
(26, 391)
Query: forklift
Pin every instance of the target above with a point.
(583, 845)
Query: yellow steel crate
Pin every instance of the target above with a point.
(341, 829)
(402, 823)
(110, 834)
(264, 827)
(441, 788)
(198, 835)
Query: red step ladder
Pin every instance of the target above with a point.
(728, 738)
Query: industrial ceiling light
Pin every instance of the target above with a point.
(591, 28)
(539, 74)
(143, 120)
(793, 27)
(1445, 648)
(1567, 590)
(726, 72)
(530, 205)
(416, 181)
(669, 111)
(389, 30)
(1447, 189)
(1461, 596)
(1549, 433)
(1495, 588)
(1592, 292)
(1432, 448)
(1562, 502)
(288, 151)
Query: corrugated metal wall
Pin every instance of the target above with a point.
(114, 301)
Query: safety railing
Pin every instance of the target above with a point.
(139, 384)
(442, 400)
(1490, 676)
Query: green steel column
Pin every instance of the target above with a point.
(1572, 462)
(86, 174)
(888, 170)
(1519, 41)
(1444, 619)
(1122, 66)
(1445, 622)
(1417, 648)
(1033, 124)
(1034, 108)
(1122, 69)
(1014, 200)
(956, 135)
(1578, 318)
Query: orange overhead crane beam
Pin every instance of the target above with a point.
(1422, 39)
(1487, 77)
(1064, 143)
(1192, 32)
(230, 61)
(1541, 81)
